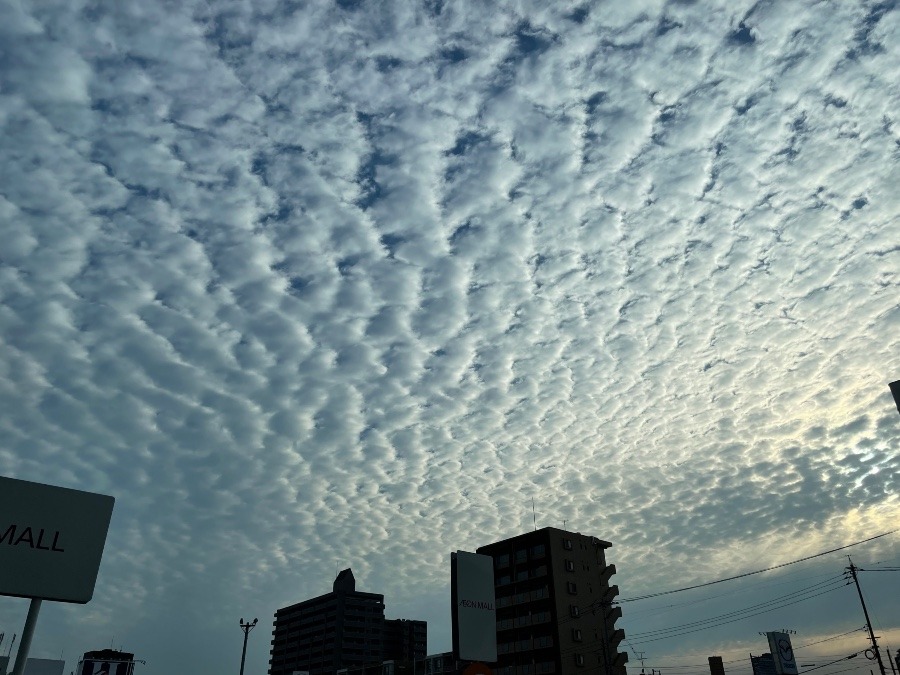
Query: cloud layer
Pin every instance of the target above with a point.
(310, 285)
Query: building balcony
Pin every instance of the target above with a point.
(607, 573)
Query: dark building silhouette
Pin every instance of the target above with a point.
(554, 605)
(763, 664)
(341, 630)
(405, 640)
(716, 667)
(106, 662)
(444, 663)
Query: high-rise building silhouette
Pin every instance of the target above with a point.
(343, 629)
(716, 665)
(764, 664)
(554, 605)
(405, 640)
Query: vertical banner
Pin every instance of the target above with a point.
(473, 608)
(782, 653)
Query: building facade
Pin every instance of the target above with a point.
(764, 664)
(444, 663)
(341, 630)
(554, 605)
(405, 640)
(107, 661)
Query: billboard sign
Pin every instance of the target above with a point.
(782, 653)
(474, 607)
(51, 540)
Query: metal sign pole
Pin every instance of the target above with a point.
(27, 634)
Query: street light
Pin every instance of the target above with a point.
(246, 627)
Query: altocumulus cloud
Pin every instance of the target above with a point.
(334, 284)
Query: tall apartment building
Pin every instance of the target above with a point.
(405, 640)
(344, 629)
(554, 605)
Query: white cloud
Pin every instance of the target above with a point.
(316, 287)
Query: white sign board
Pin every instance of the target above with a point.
(51, 540)
(782, 653)
(474, 609)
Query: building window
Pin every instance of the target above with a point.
(579, 659)
(573, 610)
(503, 579)
(576, 634)
(537, 551)
(570, 565)
(501, 561)
(567, 544)
(521, 575)
(539, 571)
(571, 587)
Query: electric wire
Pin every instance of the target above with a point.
(825, 665)
(833, 637)
(736, 591)
(770, 606)
(740, 618)
(774, 604)
(834, 580)
(747, 574)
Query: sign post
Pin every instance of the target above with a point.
(51, 543)
(473, 607)
(782, 653)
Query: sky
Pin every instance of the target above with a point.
(309, 285)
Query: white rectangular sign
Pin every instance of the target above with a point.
(782, 653)
(474, 609)
(51, 540)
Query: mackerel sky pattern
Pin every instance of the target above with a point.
(310, 285)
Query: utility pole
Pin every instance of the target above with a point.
(891, 661)
(853, 568)
(250, 625)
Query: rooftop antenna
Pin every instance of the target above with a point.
(640, 656)
(533, 515)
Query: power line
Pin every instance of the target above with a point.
(833, 637)
(740, 618)
(825, 665)
(747, 574)
(662, 608)
(836, 581)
